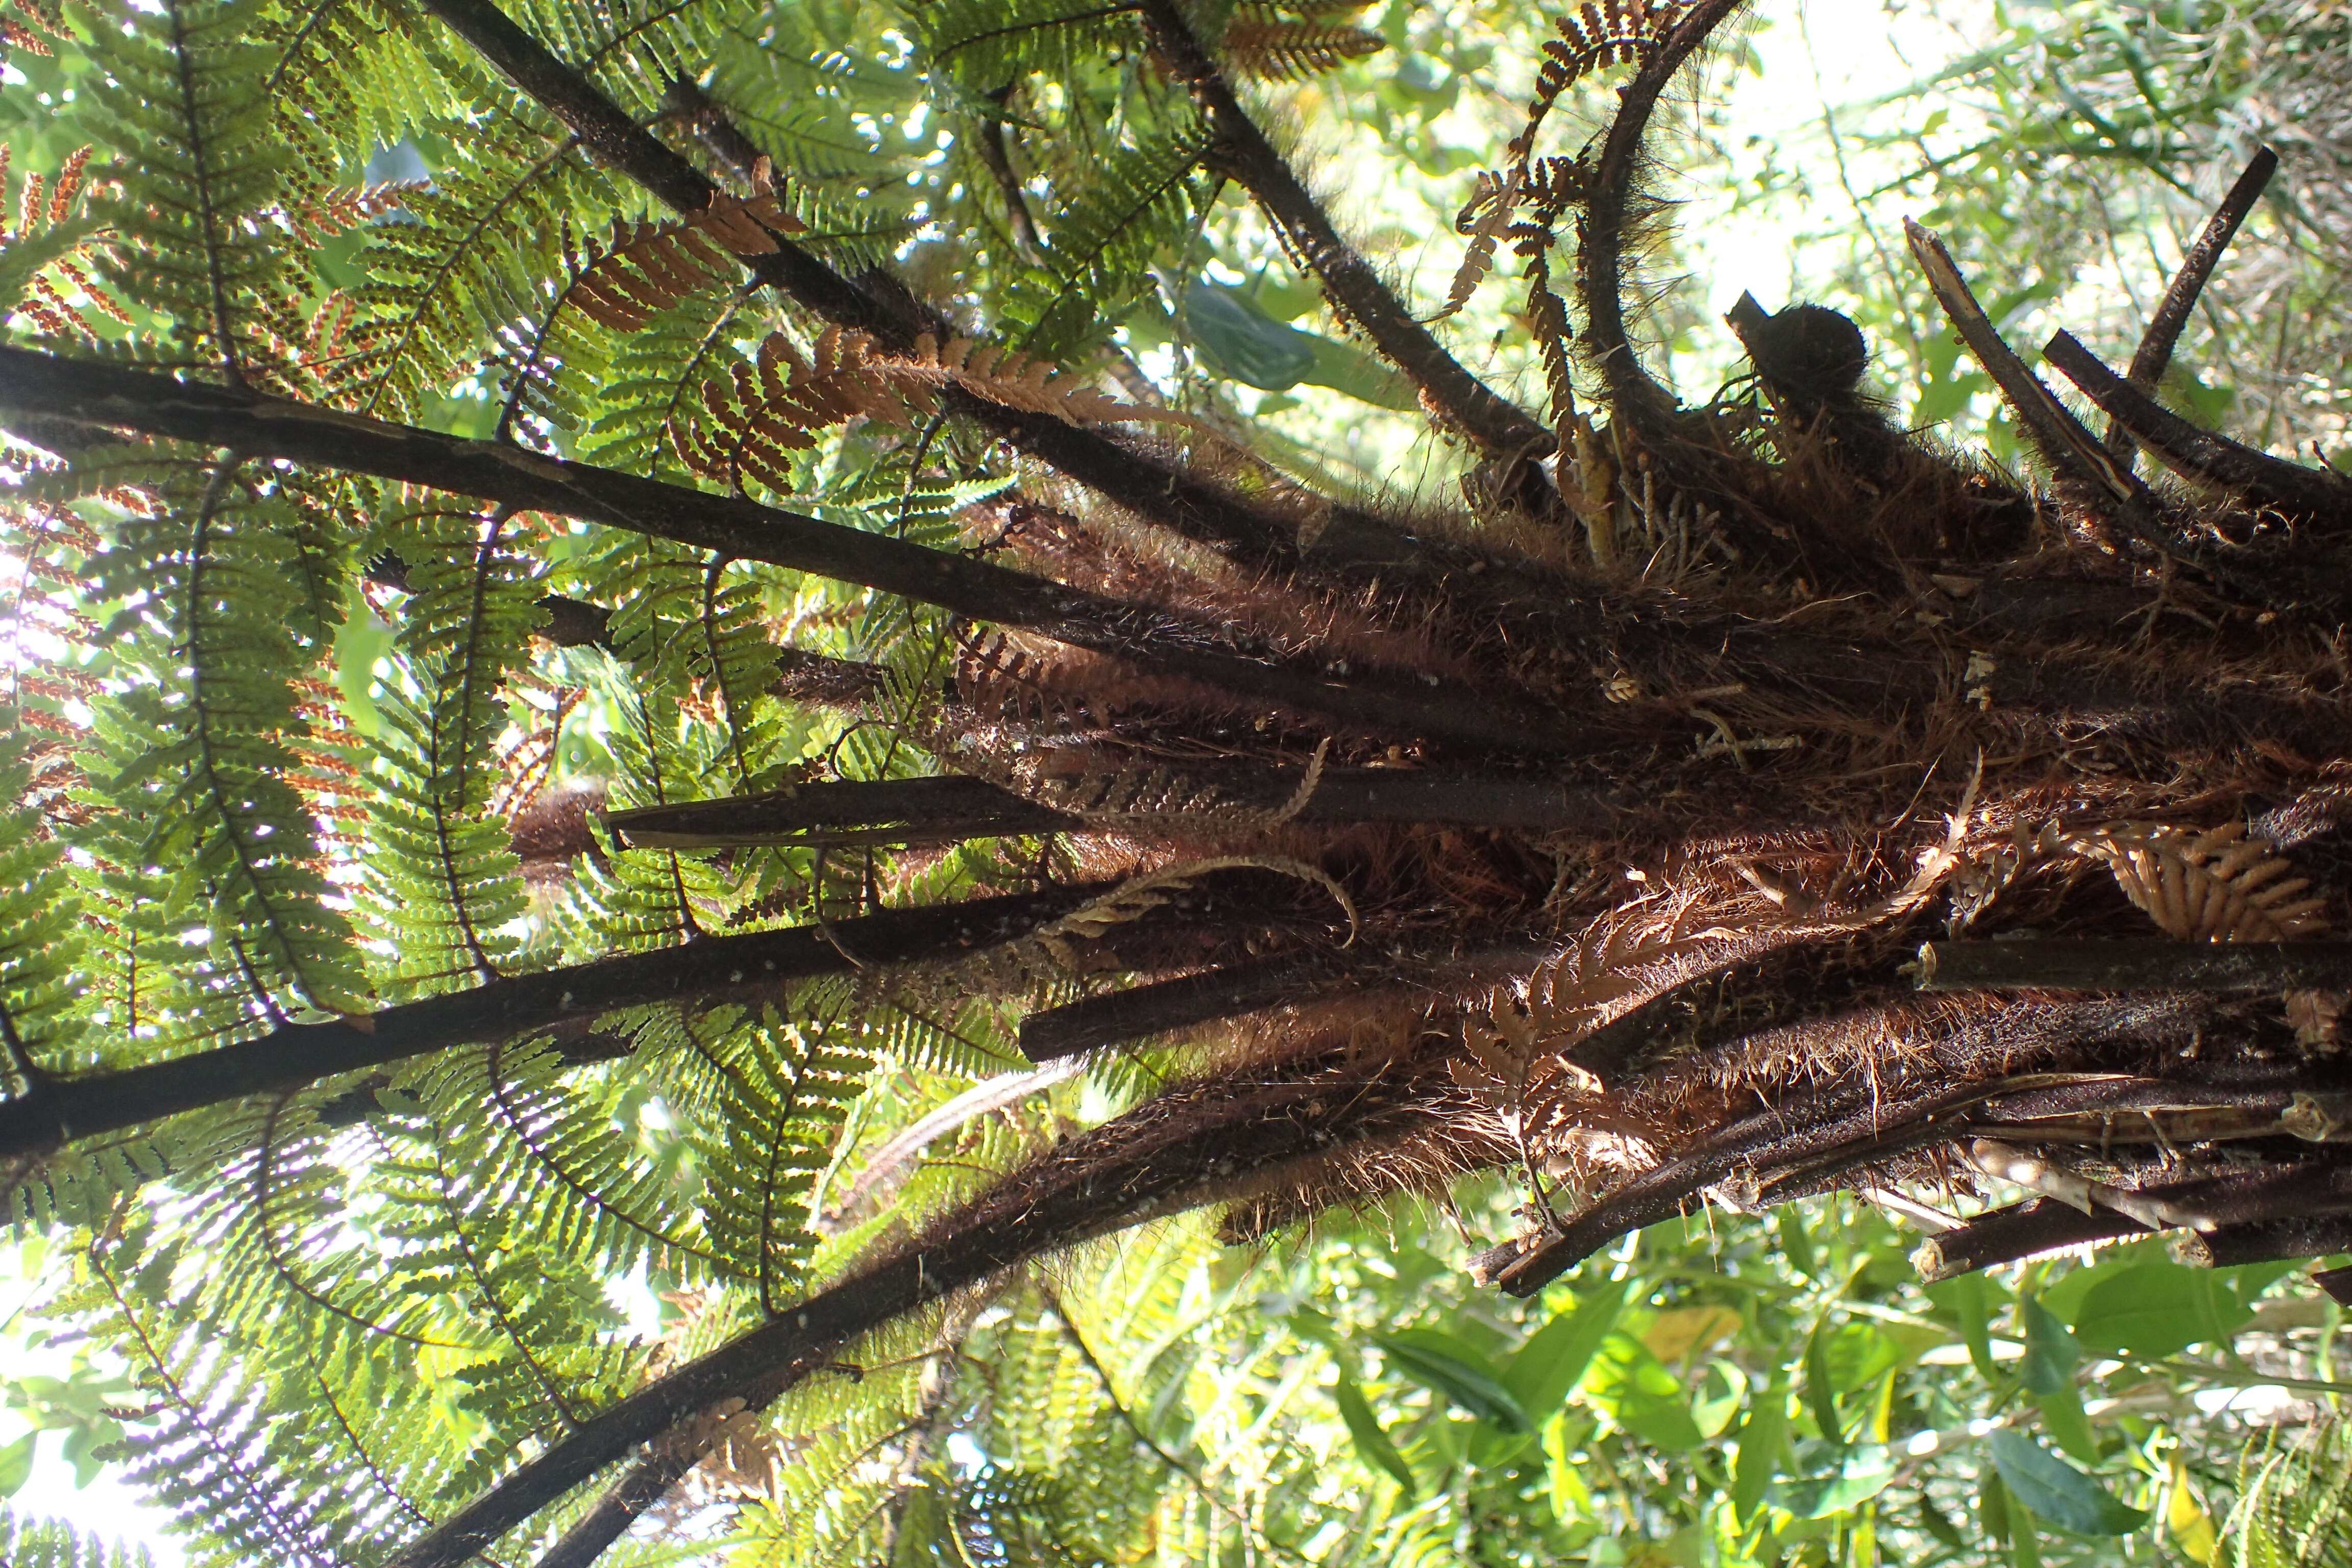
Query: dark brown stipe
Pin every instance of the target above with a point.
(2155, 963)
(2156, 344)
(1241, 151)
(2200, 454)
(935, 810)
(110, 396)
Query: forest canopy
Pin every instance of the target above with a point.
(906, 782)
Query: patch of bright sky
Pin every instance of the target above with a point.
(106, 1509)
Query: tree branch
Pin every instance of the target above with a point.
(1151, 639)
(2164, 328)
(1460, 398)
(2200, 454)
(57, 1108)
(2156, 964)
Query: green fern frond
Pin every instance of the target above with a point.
(179, 101)
(442, 880)
(217, 748)
(2295, 1500)
(52, 1544)
(987, 43)
(1100, 248)
(483, 239)
(41, 1021)
(779, 1092)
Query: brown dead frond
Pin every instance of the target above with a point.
(753, 419)
(2219, 885)
(646, 268)
(1288, 51)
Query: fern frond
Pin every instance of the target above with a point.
(986, 43)
(40, 941)
(48, 253)
(1616, 32)
(767, 409)
(442, 289)
(52, 1544)
(778, 1093)
(206, 746)
(2221, 885)
(2295, 1500)
(1101, 245)
(1291, 51)
(179, 99)
(441, 887)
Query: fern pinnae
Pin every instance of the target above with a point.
(643, 269)
(553, 1127)
(267, 1197)
(285, 1539)
(307, 944)
(488, 1290)
(1283, 50)
(2219, 885)
(444, 284)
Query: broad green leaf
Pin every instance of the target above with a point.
(1820, 1387)
(1762, 1441)
(1861, 1473)
(1371, 1441)
(2062, 1418)
(1343, 367)
(2157, 1310)
(1571, 1500)
(2050, 1353)
(1546, 1369)
(1446, 1366)
(1242, 344)
(1789, 1225)
(1992, 1506)
(1637, 1390)
(2058, 1491)
(1720, 1390)
(16, 1464)
(1965, 1298)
